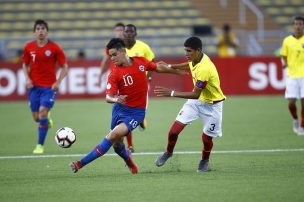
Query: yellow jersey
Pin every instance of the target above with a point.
(293, 49)
(205, 71)
(141, 49)
(224, 50)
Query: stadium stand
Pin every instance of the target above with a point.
(87, 25)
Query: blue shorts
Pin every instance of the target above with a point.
(41, 96)
(131, 116)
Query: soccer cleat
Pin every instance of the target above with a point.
(131, 165)
(38, 149)
(300, 131)
(50, 120)
(75, 166)
(143, 125)
(131, 149)
(203, 166)
(162, 159)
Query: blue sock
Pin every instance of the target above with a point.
(122, 152)
(42, 130)
(98, 151)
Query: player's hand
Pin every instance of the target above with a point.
(162, 91)
(29, 84)
(121, 99)
(55, 86)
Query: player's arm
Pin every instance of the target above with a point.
(103, 65)
(162, 67)
(181, 66)
(26, 70)
(166, 92)
(284, 61)
(62, 75)
(110, 98)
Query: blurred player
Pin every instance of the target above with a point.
(292, 53)
(205, 101)
(227, 43)
(127, 89)
(136, 48)
(40, 58)
(118, 33)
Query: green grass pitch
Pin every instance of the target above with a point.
(258, 158)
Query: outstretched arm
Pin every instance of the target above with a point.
(166, 92)
(165, 68)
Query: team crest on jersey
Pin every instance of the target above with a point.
(47, 53)
(141, 68)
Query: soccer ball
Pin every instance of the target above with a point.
(65, 137)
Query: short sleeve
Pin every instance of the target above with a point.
(112, 86)
(26, 56)
(61, 59)
(151, 66)
(203, 74)
(284, 49)
(149, 53)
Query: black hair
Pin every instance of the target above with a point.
(41, 22)
(131, 25)
(299, 18)
(193, 43)
(116, 43)
(119, 24)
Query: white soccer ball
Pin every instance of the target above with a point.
(65, 137)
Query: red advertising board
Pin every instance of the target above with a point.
(239, 76)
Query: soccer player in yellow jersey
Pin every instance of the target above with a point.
(136, 48)
(205, 101)
(292, 53)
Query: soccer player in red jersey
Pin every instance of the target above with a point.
(40, 58)
(127, 89)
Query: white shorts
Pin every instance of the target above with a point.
(294, 88)
(210, 114)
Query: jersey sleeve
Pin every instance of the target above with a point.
(151, 66)
(284, 50)
(61, 59)
(112, 86)
(26, 55)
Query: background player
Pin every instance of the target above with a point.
(39, 64)
(205, 101)
(136, 47)
(118, 33)
(292, 53)
(127, 89)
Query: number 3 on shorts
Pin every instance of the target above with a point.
(212, 127)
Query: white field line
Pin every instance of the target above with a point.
(155, 153)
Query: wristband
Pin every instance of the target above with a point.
(169, 65)
(172, 93)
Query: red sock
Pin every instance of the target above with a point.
(293, 111)
(129, 140)
(176, 128)
(208, 144)
(302, 116)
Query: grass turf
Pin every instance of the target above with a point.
(249, 123)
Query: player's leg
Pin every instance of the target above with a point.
(113, 137)
(291, 94)
(120, 149)
(187, 114)
(144, 123)
(47, 100)
(212, 119)
(130, 142)
(301, 127)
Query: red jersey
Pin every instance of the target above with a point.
(131, 81)
(43, 62)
